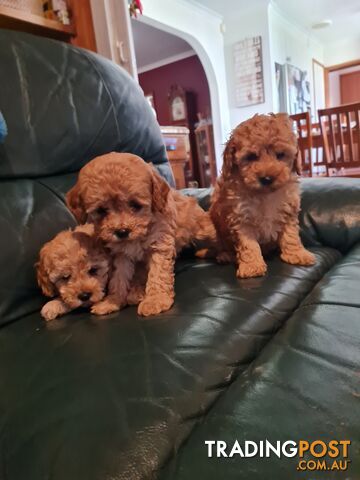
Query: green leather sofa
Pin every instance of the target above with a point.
(88, 398)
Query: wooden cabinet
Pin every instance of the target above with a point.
(176, 140)
(206, 154)
(82, 19)
(80, 32)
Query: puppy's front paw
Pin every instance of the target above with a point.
(105, 307)
(249, 270)
(154, 304)
(51, 310)
(299, 257)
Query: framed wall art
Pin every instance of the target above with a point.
(248, 70)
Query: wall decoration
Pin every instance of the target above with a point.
(177, 104)
(298, 86)
(248, 70)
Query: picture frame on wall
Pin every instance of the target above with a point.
(248, 71)
(298, 89)
(293, 89)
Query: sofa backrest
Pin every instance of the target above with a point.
(62, 106)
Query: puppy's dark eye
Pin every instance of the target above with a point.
(251, 157)
(280, 155)
(101, 211)
(65, 278)
(134, 205)
(93, 271)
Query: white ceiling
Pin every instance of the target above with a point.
(225, 7)
(153, 45)
(345, 14)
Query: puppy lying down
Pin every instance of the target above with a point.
(140, 220)
(73, 268)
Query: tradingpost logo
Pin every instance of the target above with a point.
(312, 455)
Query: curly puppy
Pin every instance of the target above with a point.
(74, 268)
(256, 201)
(139, 218)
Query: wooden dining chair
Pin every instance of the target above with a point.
(340, 131)
(302, 125)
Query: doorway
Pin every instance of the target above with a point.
(343, 84)
(114, 40)
(175, 84)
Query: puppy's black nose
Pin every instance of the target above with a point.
(122, 233)
(84, 296)
(266, 180)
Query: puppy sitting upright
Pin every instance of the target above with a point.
(256, 200)
(74, 268)
(139, 219)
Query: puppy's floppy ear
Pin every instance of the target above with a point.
(160, 191)
(42, 276)
(75, 203)
(229, 156)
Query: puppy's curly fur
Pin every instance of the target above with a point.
(139, 218)
(256, 201)
(74, 268)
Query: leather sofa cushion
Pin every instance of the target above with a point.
(30, 215)
(303, 385)
(64, 106)
(341, 285)
(94, 398)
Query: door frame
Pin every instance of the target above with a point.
(326, 86)
(114, 39)
(334, 68)
(214, 65)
